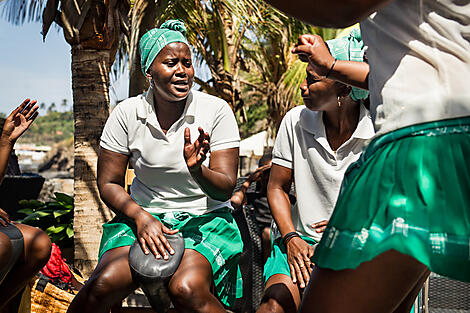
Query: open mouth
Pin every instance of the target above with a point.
(181, 85)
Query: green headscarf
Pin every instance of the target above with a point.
(350, 48)
(153, 41)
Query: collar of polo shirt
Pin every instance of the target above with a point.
(312, 122)
(145, 109)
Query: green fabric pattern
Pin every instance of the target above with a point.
(153, 41)
(215, 235)
(417, 180)
(350, 48)
(277, 261)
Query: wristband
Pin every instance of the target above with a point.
(331, 68)
(289, 236)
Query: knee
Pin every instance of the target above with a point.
(99, 287)
(39, 248)
(188, 292)
(270, 305)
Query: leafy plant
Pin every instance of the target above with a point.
(54, 217)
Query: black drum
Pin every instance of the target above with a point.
(154, 274)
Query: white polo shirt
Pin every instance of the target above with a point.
(419, 56)
(301, 145)
(163, 182)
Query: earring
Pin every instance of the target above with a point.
(339, 102)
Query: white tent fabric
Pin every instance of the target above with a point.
(254, 145)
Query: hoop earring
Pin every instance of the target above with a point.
(339, 102)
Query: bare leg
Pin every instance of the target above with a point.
(380, 285)
(281, 295)
(5, 252)
(37, 250)
(190, 286)
(407, 304)
(266, 242)
(109, 284)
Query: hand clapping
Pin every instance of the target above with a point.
(195, 154)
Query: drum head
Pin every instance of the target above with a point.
(146, 268)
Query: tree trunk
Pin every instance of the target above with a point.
(90, 86)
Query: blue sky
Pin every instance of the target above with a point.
(31, 68)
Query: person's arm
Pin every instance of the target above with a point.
(299, 252)
(111, 173)
(217, 180)
(239, 197)
(15, 125)
(327, 13)
(312, 49)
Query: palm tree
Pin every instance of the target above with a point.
(274, 72)
(217, 31)
(93, 28)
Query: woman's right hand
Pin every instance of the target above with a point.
(299, 253)
(150, 234)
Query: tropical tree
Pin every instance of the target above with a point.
(93, 28)
(217, 30)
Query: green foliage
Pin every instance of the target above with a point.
(50, 128)
(54, 217)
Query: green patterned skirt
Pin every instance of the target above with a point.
(215, 235)
(409, 191)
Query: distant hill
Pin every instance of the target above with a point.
(49, 129)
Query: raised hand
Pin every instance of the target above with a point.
(312, 49)
(19, 120)
(195, 154)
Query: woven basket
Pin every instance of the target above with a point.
(47, 298)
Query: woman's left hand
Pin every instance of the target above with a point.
(195, 154)
(19, 120)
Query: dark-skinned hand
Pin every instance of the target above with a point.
(4, 218)
(313, 49)
(19, 120)
(150, 234)
(299, 253)
(195, 153)
(258, 173)
(320, 226)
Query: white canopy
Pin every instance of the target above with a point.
(254, 145)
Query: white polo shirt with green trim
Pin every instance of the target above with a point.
(163, 182)
(301, 145)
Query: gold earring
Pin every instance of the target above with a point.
(339, 102)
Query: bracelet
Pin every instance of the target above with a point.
(331, 68)
(289, 236)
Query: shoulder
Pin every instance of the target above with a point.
(296, 113)
(129, 105)
(208, 100)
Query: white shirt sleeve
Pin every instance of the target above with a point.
(225, 133)
(283, 150)
(114, 136)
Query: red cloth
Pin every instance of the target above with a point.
(56, 267)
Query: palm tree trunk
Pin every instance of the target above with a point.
(90, 86)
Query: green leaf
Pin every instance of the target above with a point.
(69, 231)
(26, 211)
(55, 229)
(63, 199)
(61, 212)
(35, 216)
(31, 203)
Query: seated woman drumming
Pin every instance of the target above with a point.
(183, 146)
(24, 249)
(315, 145)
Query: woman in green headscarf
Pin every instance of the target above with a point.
(183, 146)
(314, 146)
